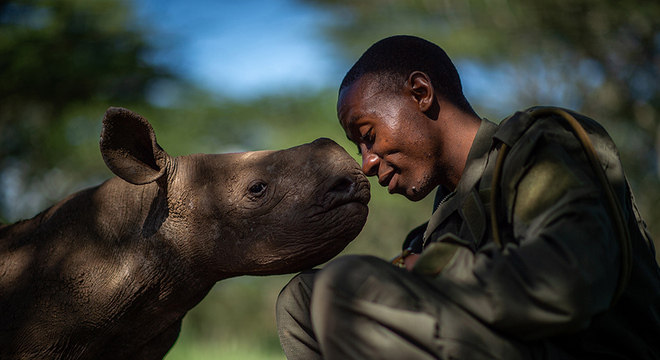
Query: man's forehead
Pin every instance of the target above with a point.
(364, 87)
(355, 99)
(349, 107)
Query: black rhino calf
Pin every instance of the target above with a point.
(109, 272)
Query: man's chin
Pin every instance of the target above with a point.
(415, 194)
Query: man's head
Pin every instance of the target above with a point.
(393, 59)
(401, 104)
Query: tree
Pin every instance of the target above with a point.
(57, 58)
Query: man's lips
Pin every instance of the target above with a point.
(385, 178)
(393, 183)
(388, 180)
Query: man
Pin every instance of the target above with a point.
(535, 249)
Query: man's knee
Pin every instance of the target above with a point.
(294, 325)
(294, 299)
(360, 310)
(346, 275)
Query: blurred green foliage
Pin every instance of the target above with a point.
(62, 63)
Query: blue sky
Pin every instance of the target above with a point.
(243, 47)
(247, 48)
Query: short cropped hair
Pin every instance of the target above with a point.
(393, 59)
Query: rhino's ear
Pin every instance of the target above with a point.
(129, 148)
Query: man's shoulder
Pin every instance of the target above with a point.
(546, 121)
(543, 135)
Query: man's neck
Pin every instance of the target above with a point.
(459, 130)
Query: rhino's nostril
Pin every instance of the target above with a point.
(342, 184)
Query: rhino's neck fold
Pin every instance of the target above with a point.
(158, 213)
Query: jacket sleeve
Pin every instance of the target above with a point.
(560, 264)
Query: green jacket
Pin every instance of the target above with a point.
(556, 275)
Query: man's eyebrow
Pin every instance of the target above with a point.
(352, 120)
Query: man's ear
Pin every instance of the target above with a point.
(129, 148)
(422, 89)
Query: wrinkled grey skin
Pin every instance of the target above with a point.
(110, 271)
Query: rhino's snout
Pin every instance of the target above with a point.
(348, 183)
(329, 147)
(348, 188)
(342, 184)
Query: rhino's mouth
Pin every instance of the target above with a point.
(347, 189)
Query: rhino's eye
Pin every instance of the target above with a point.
(257, 188)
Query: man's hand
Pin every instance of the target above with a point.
(409, 261)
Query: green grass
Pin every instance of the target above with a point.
(232, 350)
(236, 320)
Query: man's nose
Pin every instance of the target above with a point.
(370, 163)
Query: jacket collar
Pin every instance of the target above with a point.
(447, 202)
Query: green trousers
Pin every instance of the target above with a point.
(361, 307)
